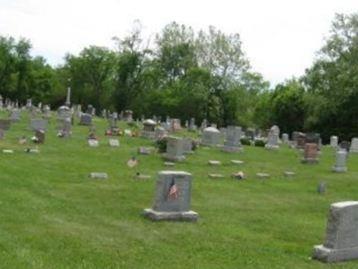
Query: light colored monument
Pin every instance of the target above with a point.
(172, 198)
(341, 242)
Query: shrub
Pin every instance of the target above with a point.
(161, 144)
(245, 141)
(259, 143)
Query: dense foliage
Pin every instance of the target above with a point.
(203, 75)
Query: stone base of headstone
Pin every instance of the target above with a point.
(273, 147)
(172, 158)
(325, 254)
(339, 169)
(309, 161)
(174, 216)
(231, 149)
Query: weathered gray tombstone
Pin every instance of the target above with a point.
(301, 141)
(273, 138)
(128, 115)
(148, 129)
(15, 115)
(341, 243)
(38, 124)
(334, 141)
(175, 149)
(86, 119)
(5, 124)
(341, 160)
(65, 128)
(160, 132)
(310, 153)
(204, 124)
(192, 126)
(187, 146)
(172, 198)
(285, 138)
(354, 146)
(210, 137)
(232, 141)
(175, 125)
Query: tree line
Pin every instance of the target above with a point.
(205, 75)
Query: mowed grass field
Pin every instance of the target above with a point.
(52, 215)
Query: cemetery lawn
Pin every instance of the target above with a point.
(54, 216)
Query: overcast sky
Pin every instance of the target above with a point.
(280, 37)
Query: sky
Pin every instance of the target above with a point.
(280, 37)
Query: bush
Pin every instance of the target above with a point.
(161, 144)
(245, 141)
(259, 143)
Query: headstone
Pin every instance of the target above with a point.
(204, 124)
(144, 150)
(113, 142)
(273, 138)
(2, 134)
(263, 175)
(187, 146)
(98, 175)
(341, 242)
(210, 137)
(65, 129)
(236, 162)
(215, 175)
(214, 162)
(86, 119)
(310, 153)
(148, 129)
(301, 141)
(354, 146)
(175, 125)
(172, 199)
(128, 115)
(238, 175)
(192, 126)
(160, 132)
(175, 149)
(321, 188)
(38, 124)
(15, 115)
(334, 141)
(341, 160)
(93, 143)
(285, 138)
(289, 174)
(232, 142)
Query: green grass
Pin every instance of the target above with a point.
(53, 216)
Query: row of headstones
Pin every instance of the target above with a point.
(173, 202)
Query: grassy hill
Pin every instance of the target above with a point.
(54, 216)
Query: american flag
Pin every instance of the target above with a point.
(173, 192)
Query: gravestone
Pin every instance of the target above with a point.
(65, 129)
(273, 138)
(15, 115)
(192, 126)
(341, 160)
(113, 142)
(232, 141)
(128, 116)
(187, 146)
(93, 143)
(210, 137)
(334, 141)
(172, 198)
(5, 124)
(354, 146)
(160, 132)
(310, 153)
(175, 149)
(301, 141)
(86, 119)
(98, 175)
(148, 129)
(285, 138)
(204, 124)
(341, 243)
(175, 125)
(38, 124)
